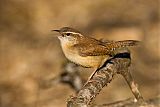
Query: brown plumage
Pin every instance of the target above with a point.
(87, 51)
(88, 46)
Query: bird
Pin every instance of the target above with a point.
(87, 51)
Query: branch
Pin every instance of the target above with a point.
(119, 64)
(154, 102)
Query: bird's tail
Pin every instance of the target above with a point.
(119, 44)
(127, 43)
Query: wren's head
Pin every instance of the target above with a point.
(68, 35)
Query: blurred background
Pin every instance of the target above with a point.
(31, 54)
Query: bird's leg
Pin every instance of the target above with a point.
(91, 76)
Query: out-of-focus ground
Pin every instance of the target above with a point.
(30, 53)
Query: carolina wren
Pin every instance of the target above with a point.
(87, 51)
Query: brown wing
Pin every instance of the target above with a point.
(93, 49)
(96, 48)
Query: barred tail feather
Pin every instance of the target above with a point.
(127, 43)
(119, 44)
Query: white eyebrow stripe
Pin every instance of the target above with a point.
(74, 33)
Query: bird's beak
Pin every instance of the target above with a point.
(55, 30)
(59, 36)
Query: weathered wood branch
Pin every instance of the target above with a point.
(117, 65)
(154, 102)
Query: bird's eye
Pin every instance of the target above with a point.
(68, 34)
